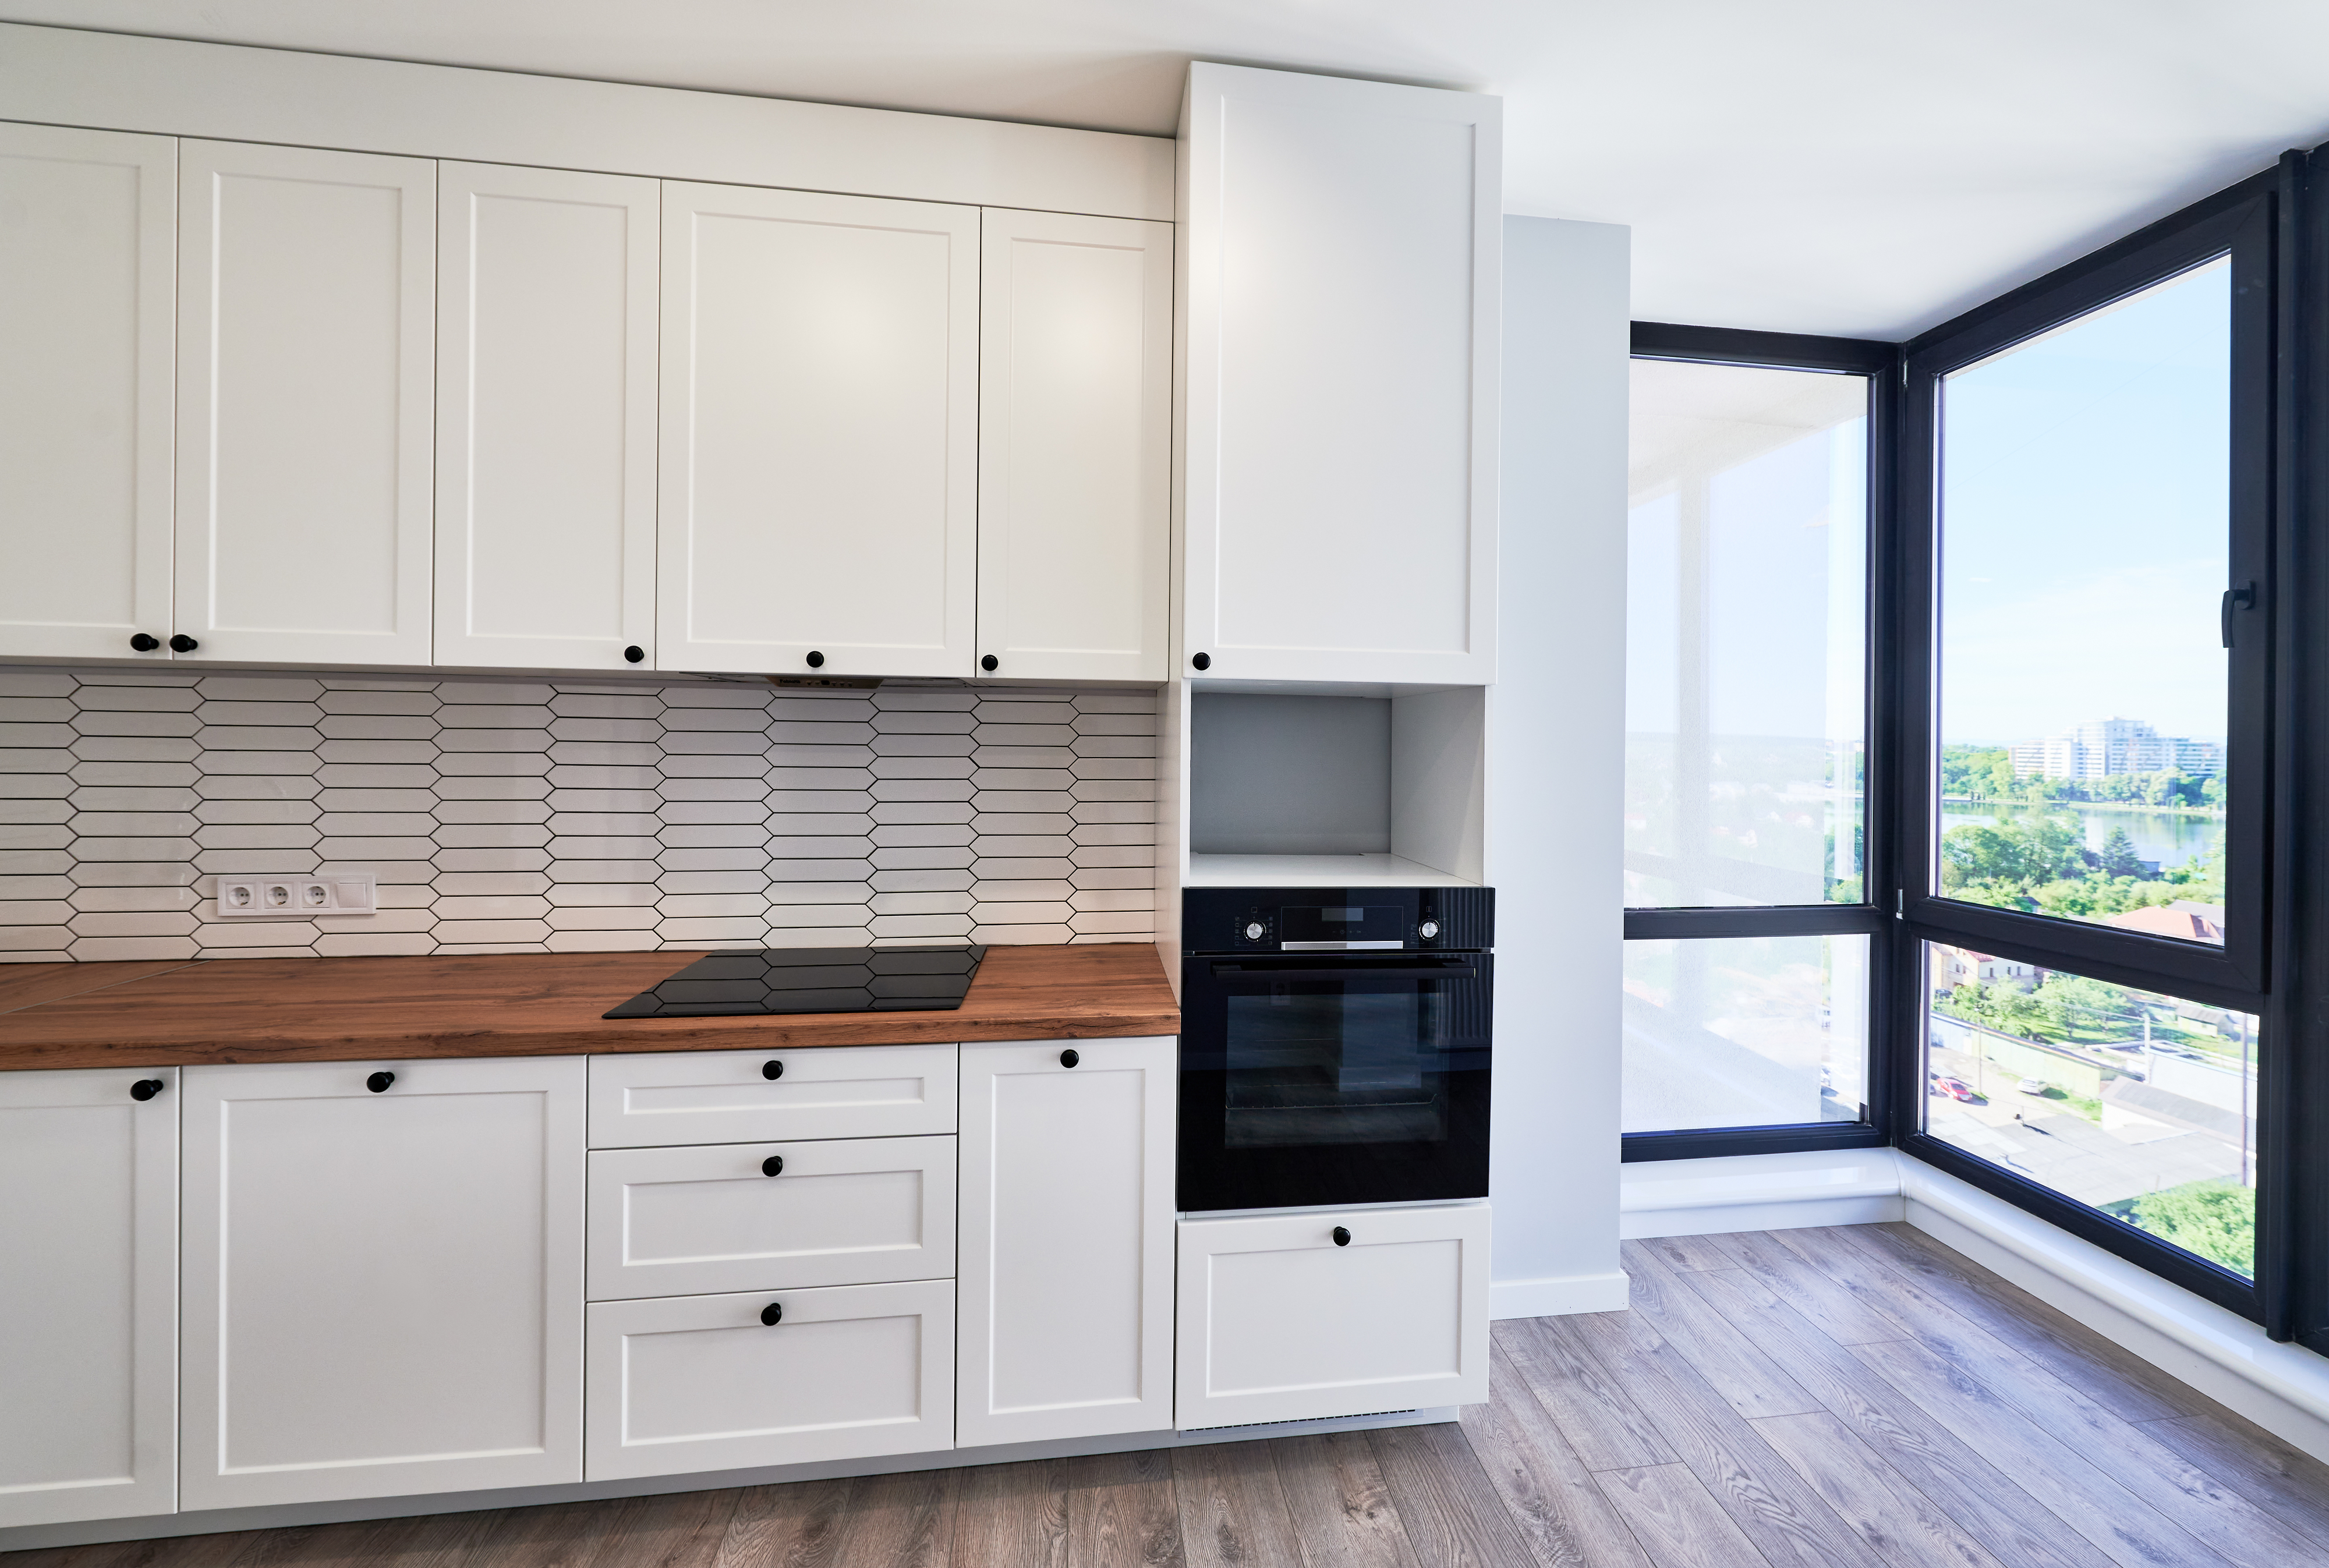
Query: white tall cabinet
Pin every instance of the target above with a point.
(88, 1267)
(306, 397)
(820, 433)
(1075, 446)
(87, 271)
(545, 418)
(1343, 244)
(1066, 1246)
(383, 1287)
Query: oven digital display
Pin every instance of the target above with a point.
(1374, 922)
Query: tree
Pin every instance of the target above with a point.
(2215, 1219)
(2118, 855)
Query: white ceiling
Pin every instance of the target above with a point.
(1858, 166)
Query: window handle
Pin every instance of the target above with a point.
(2241, 597)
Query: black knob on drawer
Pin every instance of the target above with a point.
(634, 653)
(990, 663)
(182, 643)
(815, 659)
(1068, 1058)
(145, 641)
(146, 1088)
(1342, 1237)
(772, 1070)
(773, 1166)
(1202, 661)
(773, 1313)
(379, 1081)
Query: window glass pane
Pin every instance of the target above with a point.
(1745, 600)
(2085, 536)
(2137, 1104)
(1745, 1031)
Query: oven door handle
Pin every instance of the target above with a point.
(1357, 968)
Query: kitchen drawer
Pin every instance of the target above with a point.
(700, 1383)
(1277, 1322)
(678, 1221)
(728, 1096)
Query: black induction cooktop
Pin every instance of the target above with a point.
(812, 980)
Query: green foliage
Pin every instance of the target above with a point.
(2214, 1219)
(2118, 855)
(2008, 1009)
(2096, 893)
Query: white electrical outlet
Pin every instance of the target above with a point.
(294, 897)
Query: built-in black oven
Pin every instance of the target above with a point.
(1334, 1046)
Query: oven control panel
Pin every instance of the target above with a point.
(1337, 920)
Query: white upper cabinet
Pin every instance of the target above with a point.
(87, 270)
(1341, 319)
(306, 329)
(545, 418)
(1075, 446)
(820, 429)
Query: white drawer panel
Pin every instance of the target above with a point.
(727, 1097)
(700, 1382)
(679, 1222)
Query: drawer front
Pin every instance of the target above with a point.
(727, 1096)
(681, 1222)
(700, 1382)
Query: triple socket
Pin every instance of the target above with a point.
(294, 897)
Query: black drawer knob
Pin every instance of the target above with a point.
(145, 642)
(773, 1166)
(379, 1081)
(1202, 661)
(815, 659)
(1342, 1237)
(772, 1070)
(146, 1088)
(1068, 1058)
(182, 643)
(773, 1313)
(990, 663)
(634, 653)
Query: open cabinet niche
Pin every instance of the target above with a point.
(1316, 789)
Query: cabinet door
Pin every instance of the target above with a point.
(717, 1382)
(1067, 1240)
(545, 416)
(1075, 434)
(1344, 245)
(658, 1098)
(89, 1295)
(88, 248)
(383, 1290)
(820, 432)
(1278, 1321)
(305, 336)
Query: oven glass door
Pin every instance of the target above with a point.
(1319, 1079)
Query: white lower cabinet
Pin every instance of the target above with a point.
(1280, 1321)
(383, 1286)
(89, 1311)
(1067, 1238)
(714, 1383)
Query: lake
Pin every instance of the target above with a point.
(2168, 837)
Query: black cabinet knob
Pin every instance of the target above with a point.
(379, 1081)
(1202, 661)
(1068, 1058)
(773, 1166)
(773, 1313)
(634, 653)
(1342, 1237)
(145, 642)
(990, 663)
(815, 659)
(772, 1070)
(146, 1089)
(182, 643)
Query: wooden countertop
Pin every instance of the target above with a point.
(159, 1015)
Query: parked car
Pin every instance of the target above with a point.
(1957, 1089)
(2031, 1086)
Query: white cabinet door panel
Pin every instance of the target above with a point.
(707, 1383)
(88, 267)
(307, 329)
(1067, 1238)
(545, 416)
(383, 1291)
(684, 1222)
(1075, 434)
(658, 1098)
(1279, 1323)
(89, 1295)
(820, 433)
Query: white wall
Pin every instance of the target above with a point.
(1556, 768)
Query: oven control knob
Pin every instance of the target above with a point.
(1253, 930)
(1428, 930)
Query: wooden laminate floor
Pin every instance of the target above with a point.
(1850, 1398)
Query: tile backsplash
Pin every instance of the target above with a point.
(523, 815)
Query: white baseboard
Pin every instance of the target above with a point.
(1758, 1192)
(1560, 1295)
